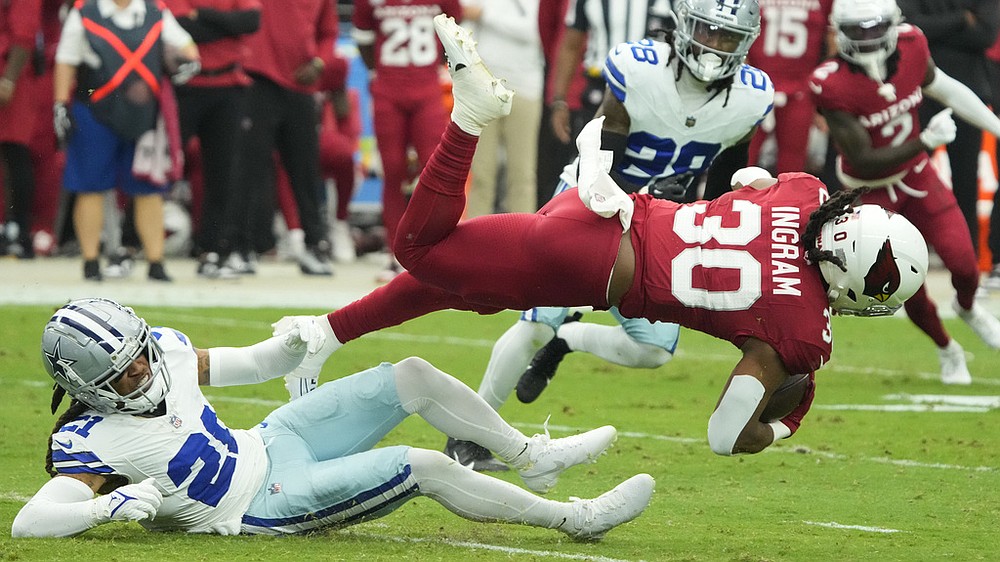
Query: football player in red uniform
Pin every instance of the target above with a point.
(759, 267)
(397, 44)
(869, 95)
(792, 42)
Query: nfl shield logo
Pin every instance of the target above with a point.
(274, 488)
(175, 421)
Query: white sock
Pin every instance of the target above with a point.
(455, 409)
(511, 355)
(479, 497)
(612, 343)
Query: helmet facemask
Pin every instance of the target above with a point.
(89, 344)
(713, 38)
(867, 34)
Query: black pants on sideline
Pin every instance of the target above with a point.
(214, 115)
(286, 121)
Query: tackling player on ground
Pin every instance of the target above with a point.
(140, 433)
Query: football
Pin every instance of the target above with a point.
(785, 398)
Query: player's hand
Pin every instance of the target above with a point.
(559, 112)
(299, 332)
(793, 420)
(307, 74)
(185, 72)
(133, 502)
(939, 131)
(63, 122)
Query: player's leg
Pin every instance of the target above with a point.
(479, 497)
(940, 220)
(389, 121)
(635, 342)
(511, 354)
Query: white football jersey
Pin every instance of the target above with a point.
(208, 473)
(665, 138)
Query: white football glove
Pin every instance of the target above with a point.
(299, 332)
(133, 502)
(940, 130)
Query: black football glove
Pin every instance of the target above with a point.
(674, 188)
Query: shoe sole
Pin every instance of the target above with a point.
(458, 44)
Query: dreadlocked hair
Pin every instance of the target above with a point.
(76, 408)
(841, 203)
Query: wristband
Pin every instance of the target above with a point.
(780, 431)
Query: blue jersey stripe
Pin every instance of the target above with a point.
(615, 79)
(379, 491)
(84, 470)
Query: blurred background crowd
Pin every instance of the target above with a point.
(233, 131)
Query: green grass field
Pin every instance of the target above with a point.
(889, 464)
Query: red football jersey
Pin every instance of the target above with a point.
(734, 268)
(792, 38)
(407, 52)
(890, 117)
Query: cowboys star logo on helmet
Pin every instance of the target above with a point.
(60, 365)
(883, 278)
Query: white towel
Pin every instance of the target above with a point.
(597, 190)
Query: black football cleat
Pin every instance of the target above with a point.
(543, 366)
(471, 455)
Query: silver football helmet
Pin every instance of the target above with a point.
(885, 257)
(867, 31)
(713, 37)
(89, 343)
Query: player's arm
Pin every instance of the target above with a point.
(274, 357)
(725, 165)
(856, 146)
(568, 60)
(963, 101)
(735, 426)
(65, 506)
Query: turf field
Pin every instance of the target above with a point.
(889, 465)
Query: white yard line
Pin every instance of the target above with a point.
(865, 528)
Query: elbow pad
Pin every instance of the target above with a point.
(735, 409)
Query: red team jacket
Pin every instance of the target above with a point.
(734, 268)
(291, 33)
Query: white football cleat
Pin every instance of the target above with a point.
(548, 458)
(626, 501)
(984, 324)
(953, 367)
(479, 96)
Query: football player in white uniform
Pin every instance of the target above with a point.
(141, 435)
(670, 110)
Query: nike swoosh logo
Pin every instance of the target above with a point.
(470, 466)
(63, 445)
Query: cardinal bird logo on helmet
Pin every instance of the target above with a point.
(882, 279)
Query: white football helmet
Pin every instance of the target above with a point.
(885, 257)
(89, 343)
(867, 31)
(713, 37)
